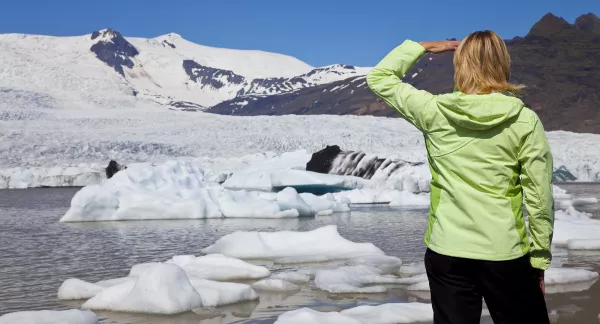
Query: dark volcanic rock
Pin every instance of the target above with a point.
(321, 161)
(550, 25)
(113, 49)
(589, 23)
(112, 168)
(210, 76)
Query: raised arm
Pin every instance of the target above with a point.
(536, 178)
(416, 106)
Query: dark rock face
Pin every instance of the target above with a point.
(321, 161)
(557, 62)
(112, 168)
(332, 160)
(166, 43)
(210, 76)
(114, 50)
(186, 106)
(562, 175)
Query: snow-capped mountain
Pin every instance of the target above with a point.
(106, 69)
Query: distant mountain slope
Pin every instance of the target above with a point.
(559, 63)
(107, 70)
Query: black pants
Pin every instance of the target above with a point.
(510, 290)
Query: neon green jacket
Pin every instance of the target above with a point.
(484, 152)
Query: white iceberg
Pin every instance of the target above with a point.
(78, 289)
(292, 276)
(275, 285)
(559, 276)
(571, 224)
(214, 293)
(412, 269)
(72, 316)
(323, 244)
(386, 264)
(162, 289)
(578, 244)
(353, 279)
(391, 313)
(177, 190)
(380, 314)
(584, 201)
(220, 268)
(307, 315)
(384, 196)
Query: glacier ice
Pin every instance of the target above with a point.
(353, 279)
(72, 316)
(572, 224)
(583, 244)
(321, 244)
(291, 276)
(307, 315)
(78, 289)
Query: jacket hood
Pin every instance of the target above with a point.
(479, 112)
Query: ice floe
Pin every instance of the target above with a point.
(162, 289)
(354, 279)
(579, 244)
(321, 244)
(78, 289)
(177, 190)
(292, 276)
(275, 285)
(572, 224)
(72, 316)
(380, 314)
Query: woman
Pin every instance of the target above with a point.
(485, 150)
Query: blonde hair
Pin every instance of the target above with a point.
(482, 65)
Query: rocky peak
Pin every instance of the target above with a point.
(113, 49)
(550, 25)
(589, 23)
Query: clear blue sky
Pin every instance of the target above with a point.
(319, 32)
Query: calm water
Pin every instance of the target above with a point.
(37, 253)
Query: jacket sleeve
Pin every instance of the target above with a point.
(536, 179)
(385, 81)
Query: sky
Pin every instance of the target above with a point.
(318, 32)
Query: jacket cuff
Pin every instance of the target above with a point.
(411, 48)
(539, 263)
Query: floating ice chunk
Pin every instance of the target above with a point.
(420, 278)
(411, 269)
(222, 268)
(557, 276)
(137, 269)
(77, 289)
(353, 279)
(114, 282)
(215, 293)
(307, 315)
(275, 285)
(324, 243)
(386, 264)
(571, 224)
(296, 277)
(325, 204)
(288, 198)
(381, 314)
(243, 204)
(583, 201)
(161, 289)
(383, 196)
(72, 316)
(560, 193)
(421, 286)
(576, 244)
(391, 313)
(301, 179)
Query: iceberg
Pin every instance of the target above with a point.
(321, 244)
(275, 285)
(220, 268)
(294, 277)
(178, 190)
(384, 196)
(162, 289)
(72, 316)
(380, 314)
(572, 224)
(78, 289)
(354, 279)
(215, 293)
(579, 244)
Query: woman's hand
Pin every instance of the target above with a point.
(440, 46)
